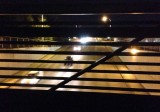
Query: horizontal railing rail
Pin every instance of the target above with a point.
(108, 43)
(77, 53)
(84, 87)
(62, 23)
(73, 31)
(80, 62)
(83, 79)
(78, 70)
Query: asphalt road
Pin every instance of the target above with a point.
(86, 75)
(89, 75)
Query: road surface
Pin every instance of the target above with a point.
(87, 75)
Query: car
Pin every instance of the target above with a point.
(33, 80)
(77, 48)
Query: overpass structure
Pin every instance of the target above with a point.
(121, 24)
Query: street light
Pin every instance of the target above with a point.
(85, 39)
(134, 51)
(105, 19)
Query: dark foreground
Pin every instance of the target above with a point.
(45, 101)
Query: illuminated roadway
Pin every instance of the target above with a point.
(88, 75)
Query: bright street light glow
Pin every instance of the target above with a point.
(115, 39)
(104, 19)
(74, 37)
(33, 80)
(85, 39)
(134, 51)
(77, 48)
(77, 57)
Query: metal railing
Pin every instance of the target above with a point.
(79, 72)
(24, 23)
